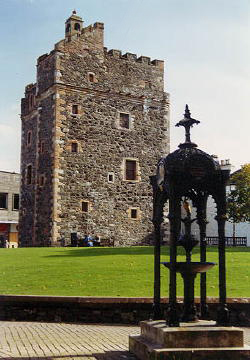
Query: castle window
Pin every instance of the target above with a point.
(42, 146)
(134, 213)
(31, 101)
(77, 26)
(15, 202)
(3, 200)
(29, 174)
(85, 206)
(130, 170)
(91, 77)
(29, 136)
(111, 177)
(74, 147)
(75, 109)
(124, 120)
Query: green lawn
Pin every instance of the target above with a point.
(108, 271)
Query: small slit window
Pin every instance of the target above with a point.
(85, 206)
(74, 147)
(29, 174)
(31, 101)
(29, 136)
(42, 146)
(75, 109)
(130, 170)
(42, 180)
(124, 121)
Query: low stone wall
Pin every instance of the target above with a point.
(102, 310)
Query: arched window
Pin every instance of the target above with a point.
(77, 26)
(68, 28)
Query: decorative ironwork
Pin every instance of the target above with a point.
(189, 175)
(187, 122)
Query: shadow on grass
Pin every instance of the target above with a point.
(86, 252)
(132, 251)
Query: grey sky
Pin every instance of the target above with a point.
(205, 45)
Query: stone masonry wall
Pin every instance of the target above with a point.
(45, 163)
(104, 310)
(102, 84)
(105, 147)
(28, 157)
(122, 84)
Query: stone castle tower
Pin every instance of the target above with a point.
(94, 126)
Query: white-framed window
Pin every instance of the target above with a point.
(111, 177)
(124, 120)
(85, 206)
(91, 77)
(130, 169)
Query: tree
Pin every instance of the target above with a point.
(238, 200)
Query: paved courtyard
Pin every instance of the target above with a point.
(53, 341)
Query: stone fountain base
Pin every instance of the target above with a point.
(191, 341)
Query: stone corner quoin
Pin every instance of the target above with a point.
(93, 129)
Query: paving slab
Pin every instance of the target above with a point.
(60, 341)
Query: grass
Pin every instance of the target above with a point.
(108, 271)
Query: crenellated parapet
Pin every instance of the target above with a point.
(93, 27)
(28, 103)
(134, 58)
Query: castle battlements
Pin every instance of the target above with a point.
(133, 57)
(92, 27)
(79, 38)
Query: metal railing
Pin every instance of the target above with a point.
(230, 241)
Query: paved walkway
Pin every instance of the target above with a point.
(53, 341)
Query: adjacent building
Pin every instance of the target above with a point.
(9, 208)
(94, 126)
